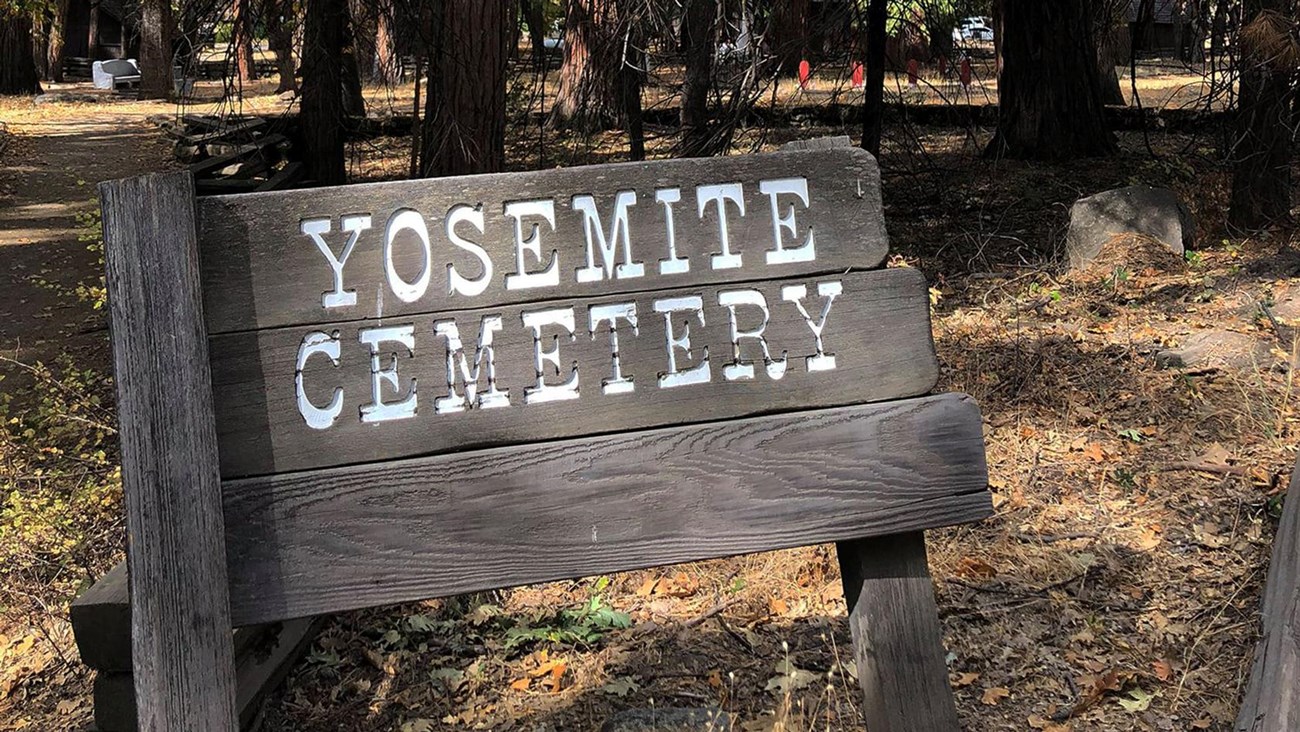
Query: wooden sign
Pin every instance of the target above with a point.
(344, 397)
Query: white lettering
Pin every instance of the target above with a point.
(738, 369)
(353, 225)
(457, 284)
(522, 279)
(721, 193)
(806, 252)
(312, 343)
(543, 392)
(597, 314)
(618, 228)
(698, 374)
(378, 410)
(821, 361)
(402, 219)
(483, 352)
(673, 264)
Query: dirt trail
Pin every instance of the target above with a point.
(47, 178)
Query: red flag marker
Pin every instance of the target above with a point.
(804, 72)
(965, 72)
(859, 80)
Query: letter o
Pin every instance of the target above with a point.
(405, 218)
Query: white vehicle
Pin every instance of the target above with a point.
(973, 29)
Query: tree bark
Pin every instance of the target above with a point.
(17, 68)
(630, 79)
(1261, 176)
(1050, 105)
(92, 32)
(242, 40)
(697, 39)
(58, 38)
(873, 104)
(354, 100)
(464, 117)
(536, 22)
(156, 29)
(587, 95)
(279, 35)
(322, 84)
(1110, 15)
(386, 61)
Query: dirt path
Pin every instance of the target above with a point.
(47, 192)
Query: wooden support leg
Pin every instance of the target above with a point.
(897, 642)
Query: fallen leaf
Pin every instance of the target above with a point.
(777, 606)
(994, 694)
(521, 684)
(1095, 453)
(1162, 669)
(622, 686)
(648, 587)
(790, 678)
(418, 725)
(964, 679)
(1138, 700)
(975, 568)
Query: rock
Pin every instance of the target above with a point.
(1217, 349)
(670, 719)
(1143, 210)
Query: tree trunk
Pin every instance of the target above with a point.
(322, 83)
(697, 40)
(587, 95)
(787, 31)
(386, 60)
(464, 117)
(92, 32)
(873, 104)
(536, 22)
(17, 68)
(630, 79)
(279, 35)
(156, 28)
(1050, 105)
(241, 39)
(1261, 176)
(1106, 32)
(362, 34)
(58, 38)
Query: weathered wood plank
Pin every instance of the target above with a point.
(877, 328)
(261, 270)
(181, 654)
(315, 542)
(1272, 700)
(101, 624)
(258, 672)
(897, 641)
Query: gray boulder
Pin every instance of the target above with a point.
(1144, 210)
(670, 719)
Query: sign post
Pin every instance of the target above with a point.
(407, 390)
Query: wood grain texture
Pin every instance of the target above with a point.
(258, 672)
(181, 650)
(878, 330)
(260, 270)
(101, 624)
(897, 641)
(1272, 699)
(354, 537)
